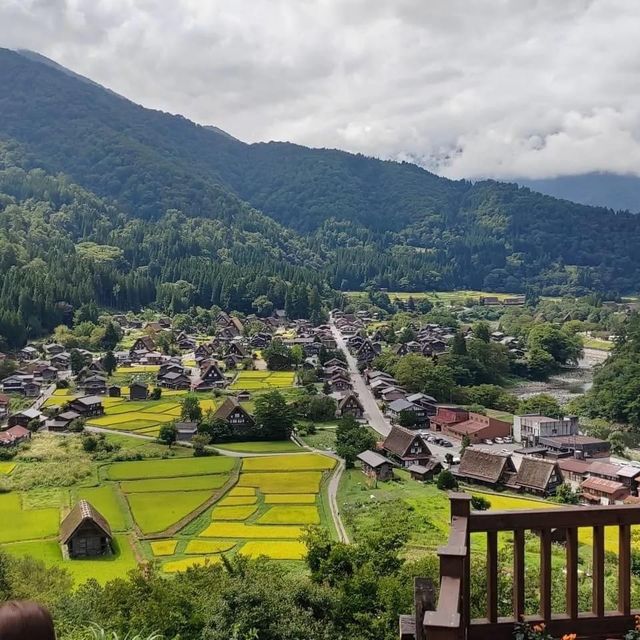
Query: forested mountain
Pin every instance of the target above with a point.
(619, 192)
(102, 199)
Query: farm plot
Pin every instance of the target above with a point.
(185, 483)
(7, 467)
(163, 547)
(175, 468)
(283, 482)
(302, 462)
(186, 563)
(154, 512)
(19, 523)
(276, 550)
(142, 416)
(263, 380)
(283, 446)
(290, 514)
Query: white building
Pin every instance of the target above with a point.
(529, 428)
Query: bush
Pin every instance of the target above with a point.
(446, 481)
(480, 503)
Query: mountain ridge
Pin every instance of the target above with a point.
(354, 221)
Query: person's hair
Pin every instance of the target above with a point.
(23, 620)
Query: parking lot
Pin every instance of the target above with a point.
(441, 451)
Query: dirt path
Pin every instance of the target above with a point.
(332, 488)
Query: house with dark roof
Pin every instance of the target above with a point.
(375, 466)
(138, 390)
(397, 407)
(175, 380)
(87, 406)
(482, 467)
(425, 472)
(186, 430)
(406, 447)
(85, 532)
(538, 476)
(350, 405)
(233, 413)
(211, 377)
(142, 345)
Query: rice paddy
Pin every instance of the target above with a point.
(169, 509)
(163, 547)
(7, 467)
(155, 512)
(262, 380)
(283, 482)
(169, 468)
(280, 550)
(288, 514)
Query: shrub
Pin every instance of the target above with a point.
(446, 481)
(480, 503)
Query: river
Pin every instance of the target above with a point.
(565, 385)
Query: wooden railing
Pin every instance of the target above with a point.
(450, 618)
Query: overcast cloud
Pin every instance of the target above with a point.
(468, 88)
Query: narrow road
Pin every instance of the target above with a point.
(332, 488)
(372, 412)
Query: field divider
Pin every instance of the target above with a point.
(183, 522)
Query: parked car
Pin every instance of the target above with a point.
(487, 441)
(432, 439)
(499, 441)
(508, 440)
(445, 443)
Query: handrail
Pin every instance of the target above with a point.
(451, 618)
(555, 518)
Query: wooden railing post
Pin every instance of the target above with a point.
(518, 573)
(572, 572)
(598, 571)
(423, 601)
(624, 569)
(545, 574)
(461, 508)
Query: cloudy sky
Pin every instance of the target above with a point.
(468, 88)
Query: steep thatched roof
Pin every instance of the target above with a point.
(535, 473)
(81, 513)
(483, 466)
(400, 440)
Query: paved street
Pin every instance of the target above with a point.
(373, 414)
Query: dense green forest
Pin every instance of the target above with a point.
(101, 199)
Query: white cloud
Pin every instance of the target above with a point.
(467, 87)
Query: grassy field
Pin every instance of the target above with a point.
(596, 343)
(19, 523)
(446, 297)
(102, 569)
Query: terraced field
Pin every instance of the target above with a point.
(265, 513)
(181, 510)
